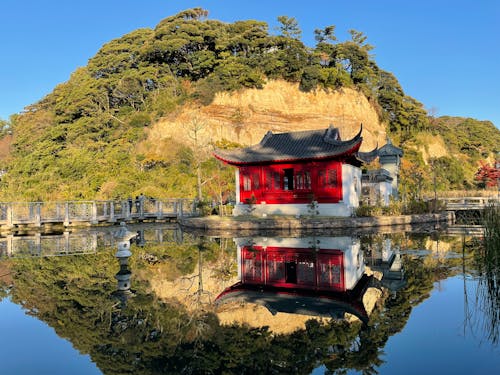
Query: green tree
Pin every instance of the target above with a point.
(326, 35)
(449, 173)
(289, 27)
(82, 139)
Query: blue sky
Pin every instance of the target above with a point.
(445, 53)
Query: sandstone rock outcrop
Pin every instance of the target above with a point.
(245, 116)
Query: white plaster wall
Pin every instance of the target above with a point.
(386, 250)
(237, 179)
(263, 210)
(385, 192)
(393, 170)
(351, 185)
(336, 243)
(354, 264)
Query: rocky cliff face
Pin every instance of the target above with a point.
(245, 116)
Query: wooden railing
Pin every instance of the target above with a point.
(93, 212)
(55, 245)
(469, 203)
(465, 230)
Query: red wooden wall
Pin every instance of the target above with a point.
(294, 268)
(291, 183)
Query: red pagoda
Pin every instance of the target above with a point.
(298, 173)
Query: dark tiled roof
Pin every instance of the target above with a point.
(390, 150)
(368, 157)
(301, 145)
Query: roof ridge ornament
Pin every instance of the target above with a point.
(360, 131)
(332, 135)
(390, 149)
(268, 135)
(353, 139)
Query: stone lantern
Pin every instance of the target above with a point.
(123, 237)
(390, 160)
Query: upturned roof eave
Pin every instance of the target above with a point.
(350, 151)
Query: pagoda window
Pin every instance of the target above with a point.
(306, 272)
(328, 178)
(277, 180)
(288, 179)
(256, 181)
(299, 181)
(321, 178)
(332, 178)
(252, 264)
(303, 180)
(247, 183)
(268, 180)
(272, 180)
(276, 267)
(330, 274)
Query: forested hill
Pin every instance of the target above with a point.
(88, 138)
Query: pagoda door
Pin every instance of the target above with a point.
(328, 187)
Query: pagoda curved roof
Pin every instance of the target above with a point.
(293, 146)
(390, 150)
(368, 157)
(297, 301)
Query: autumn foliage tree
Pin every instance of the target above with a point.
(488, 175)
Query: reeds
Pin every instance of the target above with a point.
(489, 265)
(491, 222)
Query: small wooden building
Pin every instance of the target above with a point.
(310, 172)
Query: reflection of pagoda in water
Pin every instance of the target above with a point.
(313, 276)
(386, 259)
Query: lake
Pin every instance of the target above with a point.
(392, 302)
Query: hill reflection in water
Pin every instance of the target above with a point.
(184, 303)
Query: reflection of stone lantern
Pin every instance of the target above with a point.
(123, 237)
(123, 277)
(390, 160)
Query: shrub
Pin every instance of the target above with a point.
(139, 120)
(418, 206)
(394, 208)
(369, 211)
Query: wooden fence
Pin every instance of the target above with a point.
(69, 213)
(85, 241)
(469, 203)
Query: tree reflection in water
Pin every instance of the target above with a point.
(170, 323)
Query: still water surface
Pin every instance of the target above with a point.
(388, 303)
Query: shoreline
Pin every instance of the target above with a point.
(291, 224)
(213, 225)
